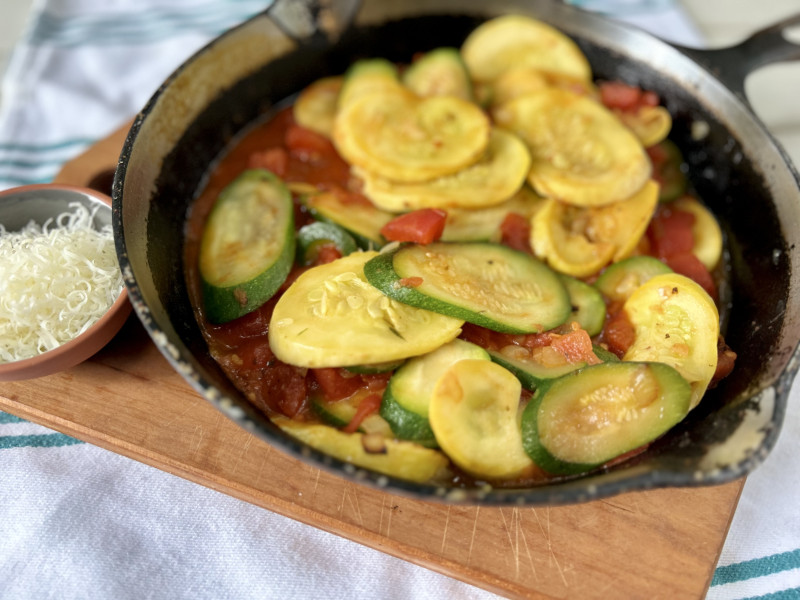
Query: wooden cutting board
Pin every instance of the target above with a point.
(128, 399)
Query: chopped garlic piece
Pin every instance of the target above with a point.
(56, 281)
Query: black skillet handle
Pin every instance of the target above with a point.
(732, 65)
(308, 20)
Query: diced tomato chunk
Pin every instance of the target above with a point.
(337, 383)
(283, 388)
(369, 405)
(307, 144)
(327, 253)
(515, 232)
(621, 96)
(271, 159)
(576, 346)
(421, 226)
(670, 232)
(618, 333)
(689, 265)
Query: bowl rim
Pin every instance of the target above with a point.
(86, 344)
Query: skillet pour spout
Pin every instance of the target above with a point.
(734, 165)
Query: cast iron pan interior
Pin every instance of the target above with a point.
(735, 191)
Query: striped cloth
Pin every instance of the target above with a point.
(77, 521)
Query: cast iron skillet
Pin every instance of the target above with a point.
(736, 167)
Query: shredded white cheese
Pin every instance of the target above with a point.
(56, 281)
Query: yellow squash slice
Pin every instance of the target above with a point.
(492, 180)
(315, 108)
(582, 154)
(474, 414)
(522, 81)
(405, 460)
(651, 124)
(332, 317)
(518, 41)
(400, 136)
(558, 237)
(580, 241)
(707, 233)
(676, 322)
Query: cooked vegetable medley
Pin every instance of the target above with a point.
(480, 267)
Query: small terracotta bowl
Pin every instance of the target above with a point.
(18, 206)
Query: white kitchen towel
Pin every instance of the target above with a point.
(77, 521)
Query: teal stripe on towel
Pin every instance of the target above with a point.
(45, 440)
(7, 418)
(758, 567)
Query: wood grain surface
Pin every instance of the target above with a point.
(128, 399)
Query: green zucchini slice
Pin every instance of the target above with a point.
(311, 237)
(474, 415)
(339, 413)
(440, 72)
(593, 415)
(534, 374)
(531, 374)
(248, 245)
(486, 284)
(408, 395)
(588, 307)
(404, 460)
(332, 317)
(362, 221)
(620, 280)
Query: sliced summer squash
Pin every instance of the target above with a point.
(365, 77)
(517, 41)
(534, 367)
(677, 323)
(521, 81)
(248, 245)
(332, 317)
(339, 413)
(483, 224)
(486, 284)
(706, 231)
(315, 235)
(651, 124)
(315, 108)
(404, 460)
(495, 178)
(474, 413)
(400, 136)
(593, 415)
(582, 154)
(565, 248)
(440, 72)
(588, 307)
(408, 394)
(579, 241)
(362, 221)
(620, 280)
